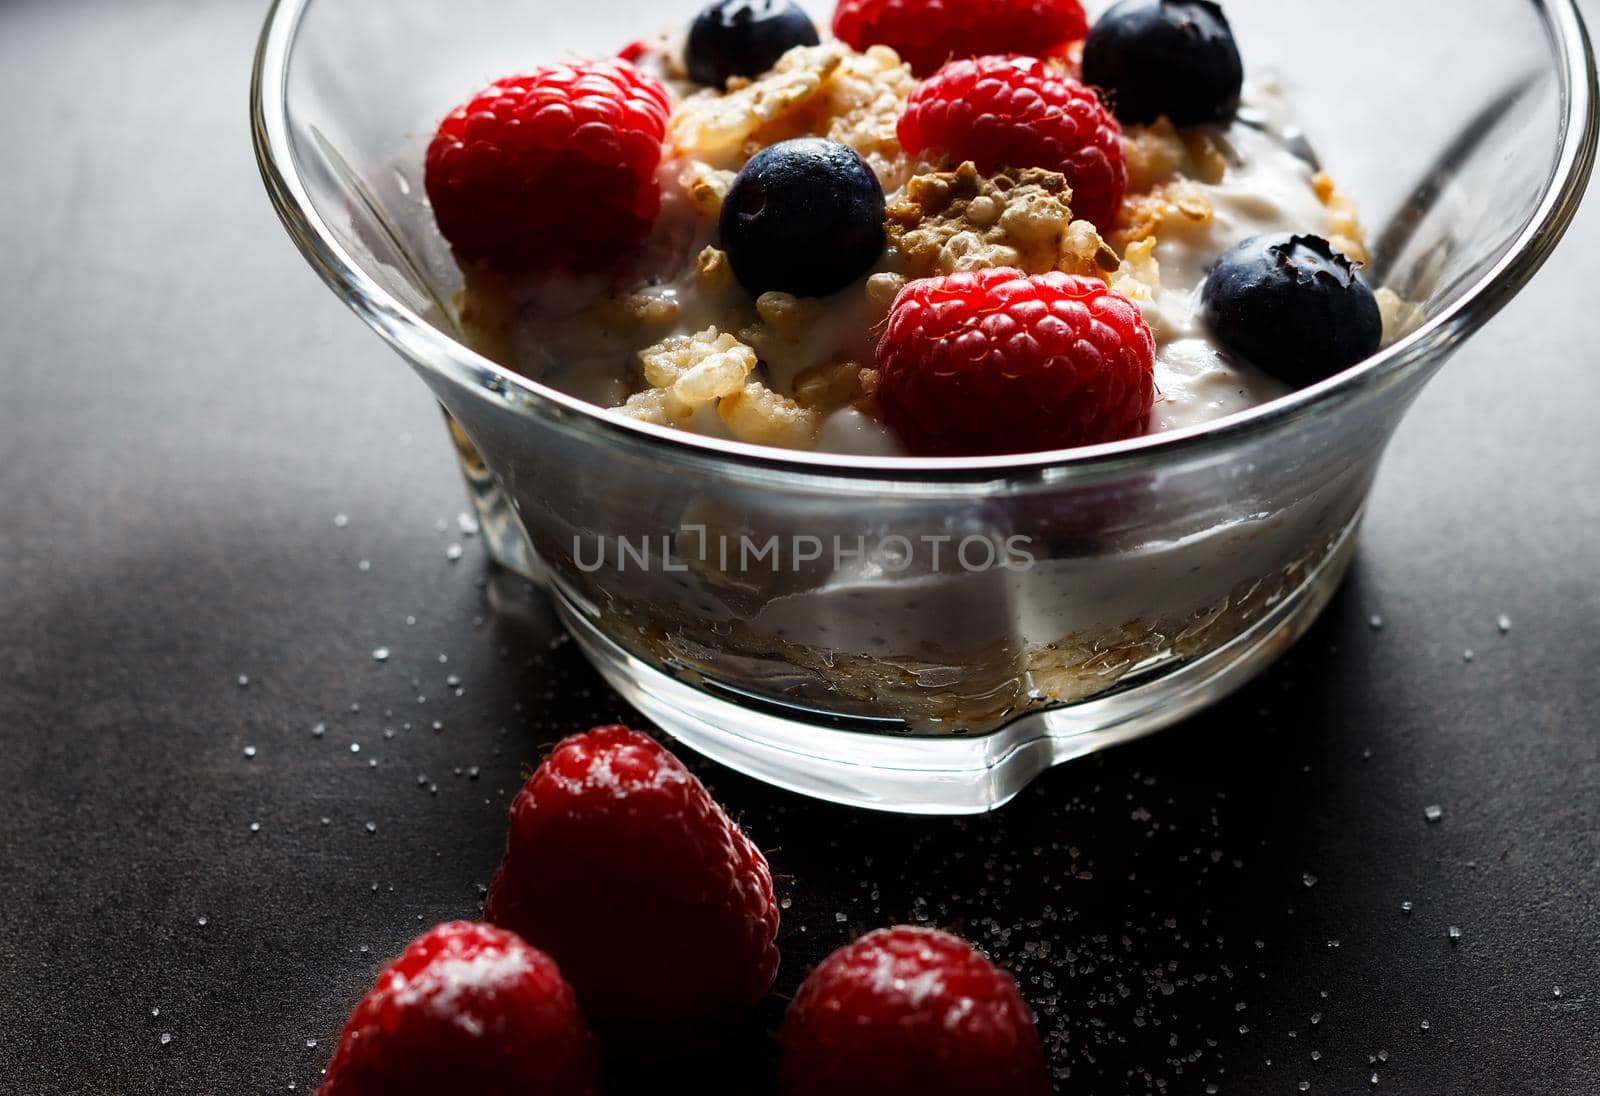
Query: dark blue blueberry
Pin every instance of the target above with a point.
(1292, 306)
(803, 217)
(744, 38)
(1171, 57)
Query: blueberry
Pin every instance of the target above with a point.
(744, 38)
(1292, 306)
(1172, 57)
(804, 217)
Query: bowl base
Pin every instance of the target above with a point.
(822, 757)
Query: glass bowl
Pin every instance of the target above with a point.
(929, 635)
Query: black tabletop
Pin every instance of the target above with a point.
(219, 811)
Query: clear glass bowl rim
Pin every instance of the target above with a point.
(423, 343)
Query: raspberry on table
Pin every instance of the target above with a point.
(910, 1012)
(994, 362)
(657, 906)
(927, 33)
(1020, 112)
(551, 170)
(467, 1008)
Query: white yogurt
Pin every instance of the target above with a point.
(1266, 189)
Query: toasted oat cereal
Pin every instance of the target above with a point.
(788, 316)
(760, 416)
(1139, 276)
(713, 272)
(634, 312)
(951, 221)
(715, 127)
(1145, 215)
(1159, 152)
(658, 406)
(707, 187)
(698, 368)
(1344, 224)
(859, 105)
(828, 388)
(813, 91)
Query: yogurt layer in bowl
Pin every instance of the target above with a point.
(674, 339)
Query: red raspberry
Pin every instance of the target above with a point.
(1021, 112)
(909, 1012)
(927, 33)
(552, 170)
(656, 905)
(995, 361)
(467, 1008)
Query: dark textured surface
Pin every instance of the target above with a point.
(184, 412)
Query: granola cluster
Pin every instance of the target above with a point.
(712, 369)
(951, 221)
(1166, 170)
(814, 91)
